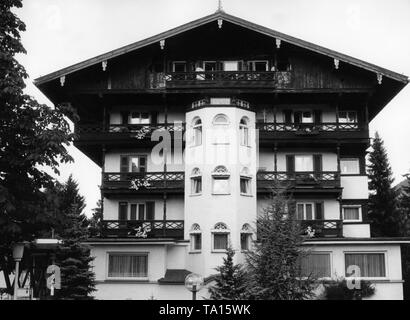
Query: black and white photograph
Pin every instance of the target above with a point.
(221, 151)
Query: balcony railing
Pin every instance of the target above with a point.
(322, 228)
(143, 229)
(324, 179)
(308, 128)
(133, 129)
(209, 78)
(143, 180)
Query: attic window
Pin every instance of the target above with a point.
(283, 65)
(179, 66)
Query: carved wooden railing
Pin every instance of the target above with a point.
(131, 128)
(221, 76)
(322, 228)
(308, 128)
(319, 179)
(143, 181)
(144, 229)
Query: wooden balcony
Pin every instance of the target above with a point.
(269, 131)
(322, 228)
(218, 79)
(125, 131)
(143, 229)
(325, 181)
(147, 182)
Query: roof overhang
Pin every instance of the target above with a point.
(232, 19)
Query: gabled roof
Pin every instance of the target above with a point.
(232, 19)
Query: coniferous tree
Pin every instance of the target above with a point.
(73, 258)
(404, 207)
(230, 282)
(383, 213)
(96, 220)
(274, 265)
(32, 136)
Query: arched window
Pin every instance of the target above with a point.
(197, 131)
(244, 131)
(220, 180)
(220, 237)
(221, 119)
(245, 182)
(196, 181)
(196, 238)
(246, 237)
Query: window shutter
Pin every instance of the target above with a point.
(154, 118)
(122, 210)
(150, 207)
(124, 164)
(124, 117)
(319, 211)
(290, 163)
(297, 117)
(133, 214)
(288, 116)
(241, 65)
(317, 116)
(142, 164)
(317, 163)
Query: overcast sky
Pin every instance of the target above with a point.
(61, 33)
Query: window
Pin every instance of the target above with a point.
(230, 65)
(136, 211)
(196, 181)
(220, 101)
(220, 235)
(220, 119)
(316, 265)
(196, 238)
(244, 131)
(246, 237)
(245, 182)
(197, 129)
(261, 65)
(137, 163)
(179, 66)
(305, 211)
(139, 118)
(352, 213)
(220, 180)
(127, 265)
(304, 163)
(349, 166)
(347, 116)
(284, 65)
(371, 265)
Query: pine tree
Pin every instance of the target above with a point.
(230, 283)
(383, 212)
(96, 219)
(73, 258)
(404, 207)
(274, 264)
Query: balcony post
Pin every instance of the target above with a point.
(275, 154)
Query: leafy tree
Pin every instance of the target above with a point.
(32, 136)
(231, 283)
(274, 265)
(404, 207)
(383, 212)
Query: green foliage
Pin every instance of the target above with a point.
(274, 265)
(230, 282)
(339, 290)
(383, 213)
(32, 136)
